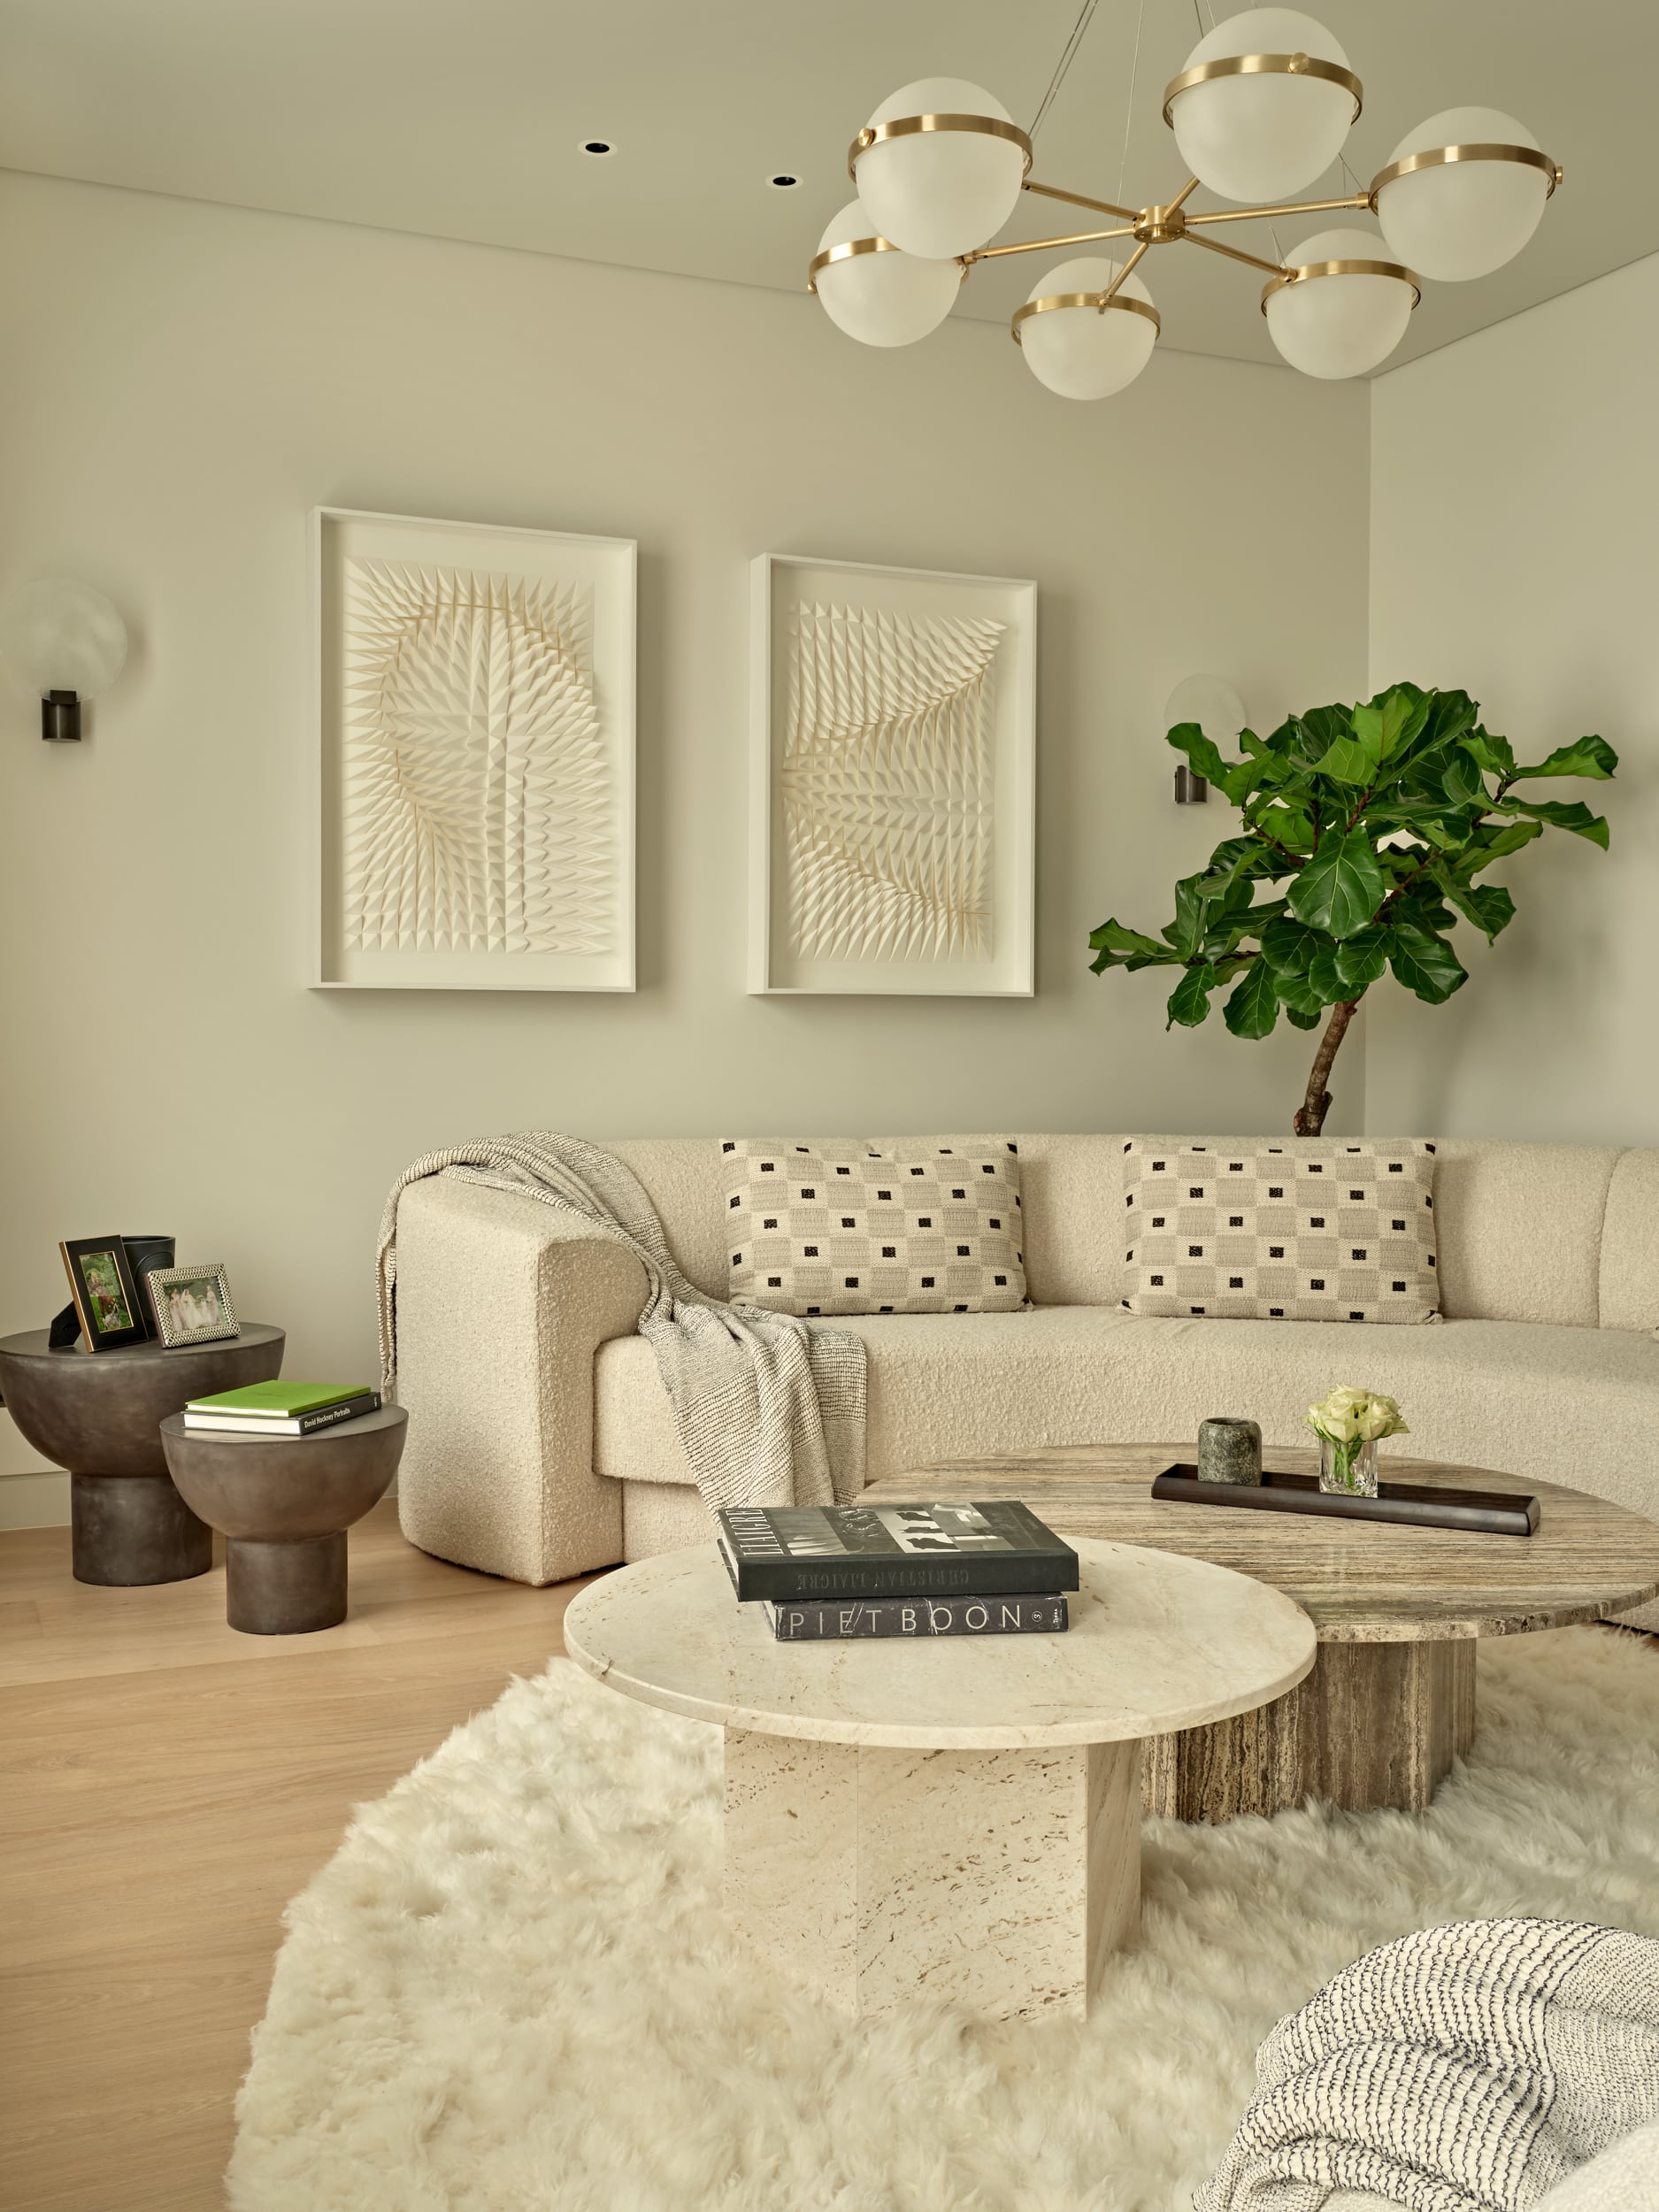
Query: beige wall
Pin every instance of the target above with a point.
(1515, 489)
(184, 382)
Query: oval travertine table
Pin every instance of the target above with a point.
(959, 1815)
(1392, 1700)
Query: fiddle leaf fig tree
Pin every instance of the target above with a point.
(1369, 829)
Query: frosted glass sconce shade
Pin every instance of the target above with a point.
(944, 189)
(1261, 133)
(1472, 207)
(1073, 345)
(61, 643)
(1344, 306)
(874, 292)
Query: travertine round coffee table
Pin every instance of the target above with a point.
(960, 1816)
(1398, 1610)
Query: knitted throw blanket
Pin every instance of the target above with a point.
(770, 1410)
(1465, 2069)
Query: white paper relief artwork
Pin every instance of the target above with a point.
(889, 785)
(477, 785)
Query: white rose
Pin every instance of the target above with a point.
(1380, 1416)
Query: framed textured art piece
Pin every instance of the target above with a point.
(475, 755)
(892, 780)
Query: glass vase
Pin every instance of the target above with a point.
(1349, 1471)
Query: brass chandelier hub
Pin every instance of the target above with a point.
(1160, 225)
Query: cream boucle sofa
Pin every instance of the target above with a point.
(542, 1443)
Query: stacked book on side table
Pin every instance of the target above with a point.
(829, 1572)
(281, 1409)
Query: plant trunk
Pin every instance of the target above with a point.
(1309, 1120)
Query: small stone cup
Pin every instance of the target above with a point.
(1229, 1450)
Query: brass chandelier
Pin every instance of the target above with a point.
(1262, 109)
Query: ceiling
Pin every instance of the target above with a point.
(466, 122)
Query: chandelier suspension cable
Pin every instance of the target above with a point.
(1067, 57)
(1129, 105)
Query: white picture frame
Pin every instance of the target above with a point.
(893, 840)
(474, 792)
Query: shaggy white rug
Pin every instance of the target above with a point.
(511, 1989)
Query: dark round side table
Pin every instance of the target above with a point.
(99, 1414)
(285, 1503)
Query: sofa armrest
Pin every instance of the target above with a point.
(502, 1304)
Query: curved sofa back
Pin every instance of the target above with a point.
(1567, 1233)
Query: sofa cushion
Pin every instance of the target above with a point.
(1573, 1405)
(1629, 1244)
(1238, 1228)
(862, 1229)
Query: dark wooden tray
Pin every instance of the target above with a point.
(1413, 1504)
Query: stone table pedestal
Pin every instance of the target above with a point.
(99, 1414)
(959, 1816)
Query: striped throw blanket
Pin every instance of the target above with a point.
(1464, 2068)
(769, 1409)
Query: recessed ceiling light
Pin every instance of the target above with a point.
(782, 181)
(597, 146)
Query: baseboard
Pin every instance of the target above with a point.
(34, 1500)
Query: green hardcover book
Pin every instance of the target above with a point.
(278, 1400)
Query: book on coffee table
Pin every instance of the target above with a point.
(817, 1620)
(281, 1409)
(993, 1549)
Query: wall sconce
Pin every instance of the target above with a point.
(63, 642)
(1216, 706)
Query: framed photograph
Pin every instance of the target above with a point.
(892, 781)
(192, 1304)
(107, 1298)
(475, 755)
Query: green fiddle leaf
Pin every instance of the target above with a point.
(1353, 760)
(1252, 1008)
(1289, 946)
(1560, 814)
(1591, 756)
(1287, 826)
(1120, 948)
(1319, 729)
(1460, 780)
(1426, 963)
(1341, 886)
(1298, 994)
(1451, 714)
(1487, 906)
(1189, 1001)
(1358, 962)
(1497, 844)
(1301, 1021)
(1203, 752)
(1496, 755)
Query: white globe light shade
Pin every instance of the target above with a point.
(1339, 326)
(883, 298)
(1262, 137)
(1459, 219)
(1078, 352)
(1212, 703)
(57, 635)
(940, 193)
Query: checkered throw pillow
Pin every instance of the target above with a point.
(863, 1229)
(1283, 1232)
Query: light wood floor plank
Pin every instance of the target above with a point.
(165, 1786)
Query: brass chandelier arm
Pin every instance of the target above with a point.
(1038, 245)
(1139, 254)
(1290, 207)
(1080, 199)
(1169, 206)
(1251, 260)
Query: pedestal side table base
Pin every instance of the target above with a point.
(285, 1589)
(127, 1530)
(1002, 1880)
(1374, 1726)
